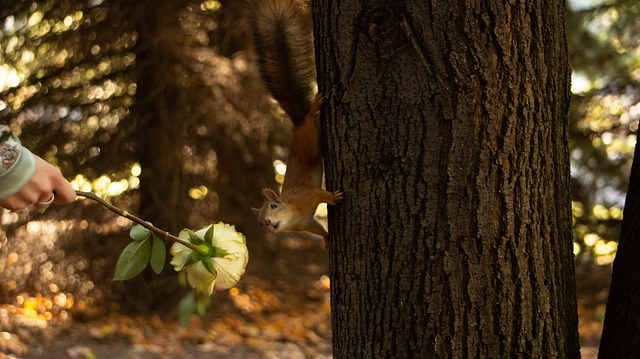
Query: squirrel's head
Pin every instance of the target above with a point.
(274, 213)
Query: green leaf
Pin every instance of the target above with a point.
(206, 261)
(133, 259)
(208, 237)
(193, 237)
(158, 254)
(219, 252)
(202, 303)
(139, 233)
(186, 308)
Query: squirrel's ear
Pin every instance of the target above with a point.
(255, 210)
(269, 195)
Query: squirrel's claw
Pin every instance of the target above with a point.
(338, 196)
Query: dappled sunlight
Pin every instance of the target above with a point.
(65, 85)
(592, 244)
(605, 114)
(29, 52)
(38, 310)
(580, 83)
(105, 186)
(199, 192)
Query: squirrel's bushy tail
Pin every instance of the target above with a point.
(283, 43)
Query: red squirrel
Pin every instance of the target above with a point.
(284, 50)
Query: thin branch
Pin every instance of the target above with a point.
(159, 232)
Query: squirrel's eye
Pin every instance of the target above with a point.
(273, 206)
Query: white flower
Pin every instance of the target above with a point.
(229, 258)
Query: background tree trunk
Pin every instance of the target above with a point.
(446, 127)
(161, 109)
(621, 332)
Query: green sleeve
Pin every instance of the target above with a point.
(17, 165)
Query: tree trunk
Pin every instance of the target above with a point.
(621, 333)
(446, 127)
(163, 114)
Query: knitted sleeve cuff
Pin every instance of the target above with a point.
(17, 164)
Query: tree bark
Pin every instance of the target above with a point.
(446, 127)
(621, 332)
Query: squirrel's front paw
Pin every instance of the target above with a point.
(338, 196)
(317, 103)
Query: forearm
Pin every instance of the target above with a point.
(18, 163)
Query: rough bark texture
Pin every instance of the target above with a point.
(446, 127)
(621, 333)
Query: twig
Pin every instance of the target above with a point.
(159, 232)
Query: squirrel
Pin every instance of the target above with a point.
(283, 46)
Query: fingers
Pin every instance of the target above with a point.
(13, 203)
(46, 186)
(26, 197)
(43, 205)
(64, 192)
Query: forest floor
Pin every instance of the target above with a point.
(280, 309)
(592, 291)
(260, 320)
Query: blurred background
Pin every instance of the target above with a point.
(157, 107)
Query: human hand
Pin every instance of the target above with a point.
(47, 183)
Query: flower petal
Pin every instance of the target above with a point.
(232, 266)
(229, 269)
(200, 278)
(184, 234)
(224, 233)
(201, 232)
(180, 254)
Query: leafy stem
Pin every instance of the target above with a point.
(157, 231)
